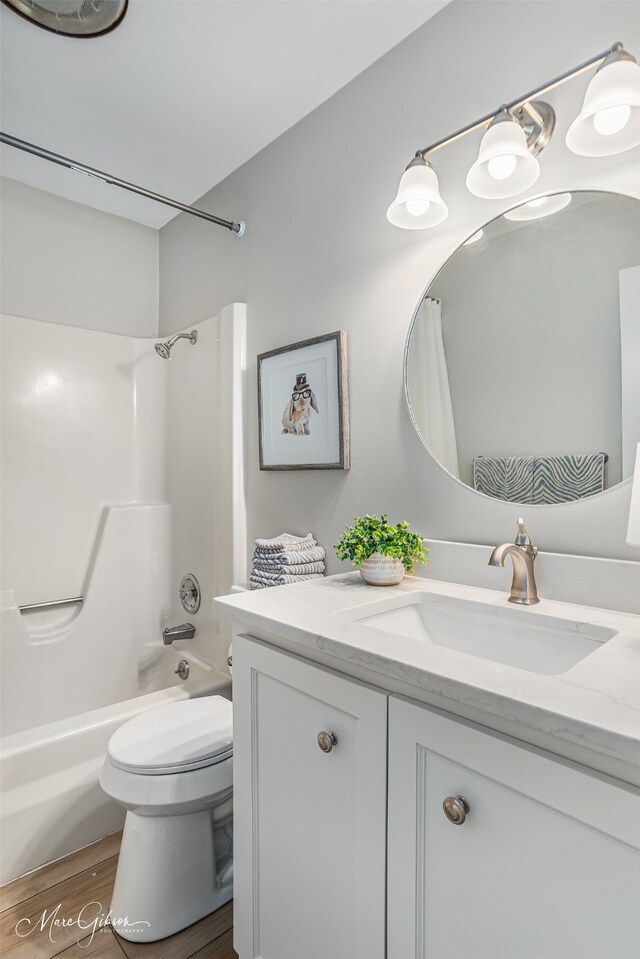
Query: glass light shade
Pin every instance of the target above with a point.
(541, 206)
(609, 121)
(504, 166)
(418, 204)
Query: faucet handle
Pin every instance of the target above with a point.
(523, 539)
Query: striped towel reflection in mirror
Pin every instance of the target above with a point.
(540, 479)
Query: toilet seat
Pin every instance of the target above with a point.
(175, 738)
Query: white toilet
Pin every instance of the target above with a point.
(171, 768)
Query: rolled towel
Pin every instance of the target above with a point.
(285, 542)
(295, 569)
(287, 558)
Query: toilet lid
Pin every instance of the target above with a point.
(175, 737)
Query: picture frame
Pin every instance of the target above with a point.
(303, 405)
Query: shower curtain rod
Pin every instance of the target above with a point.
(24, 145)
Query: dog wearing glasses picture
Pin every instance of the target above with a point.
(297, 413)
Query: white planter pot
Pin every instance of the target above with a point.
(381, 570)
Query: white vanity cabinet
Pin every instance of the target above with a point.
(545, 865)
(335, 859)
(309, 824)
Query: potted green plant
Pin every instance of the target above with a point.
(383, 553)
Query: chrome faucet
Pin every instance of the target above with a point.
(184, 631)
(523, 585)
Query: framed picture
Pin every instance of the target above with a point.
(303, 405)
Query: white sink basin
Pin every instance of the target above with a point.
(518, 637)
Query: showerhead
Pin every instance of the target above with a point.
(164, 349)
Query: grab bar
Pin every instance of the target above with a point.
(52, 604)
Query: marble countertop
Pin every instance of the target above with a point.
(595, 704)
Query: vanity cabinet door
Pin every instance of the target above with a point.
(546, 864)
(309, 824)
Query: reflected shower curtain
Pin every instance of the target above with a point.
(428, 382)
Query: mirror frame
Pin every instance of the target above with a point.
(627, 481)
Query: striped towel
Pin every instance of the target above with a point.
(285, 542)
(268, 568)
(508, 478)
(540, 479)
(287, 558)
(258, 581)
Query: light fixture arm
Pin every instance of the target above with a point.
(599, 58)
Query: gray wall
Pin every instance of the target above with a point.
(531, 327)
(319, 255)
(63, 262)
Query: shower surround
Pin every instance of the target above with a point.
(120, 473)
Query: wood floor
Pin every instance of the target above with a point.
(86, 877)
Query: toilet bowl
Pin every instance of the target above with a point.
(171, 768)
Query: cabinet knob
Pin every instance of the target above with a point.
(456, 809)
(326, 741)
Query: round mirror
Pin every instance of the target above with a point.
(522, 367)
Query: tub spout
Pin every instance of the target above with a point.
(184, 631)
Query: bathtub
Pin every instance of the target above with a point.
(52, 803)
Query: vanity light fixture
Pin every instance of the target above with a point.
(539, 207)
(609, 121)
(506, 163)
(418, 203)
(519, 130)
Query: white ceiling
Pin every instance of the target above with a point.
(183, 91)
